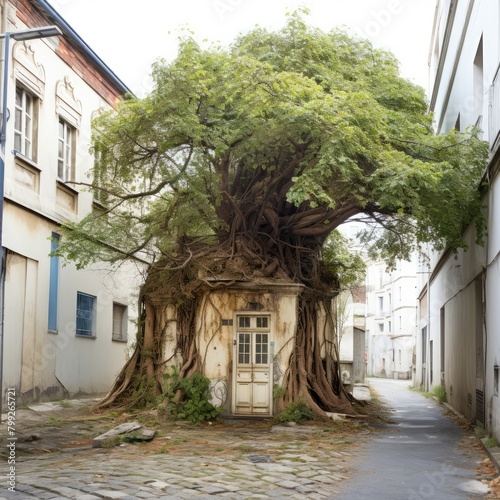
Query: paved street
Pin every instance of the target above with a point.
(422, 453)
(416, 456)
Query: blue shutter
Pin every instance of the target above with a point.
(53, 284)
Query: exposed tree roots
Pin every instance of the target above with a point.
(313, 371)
(264, 236)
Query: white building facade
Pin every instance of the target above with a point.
(66, 331)
(458, 341)
(350, 311)
(391, 319)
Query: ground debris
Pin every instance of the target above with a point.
(125, 433)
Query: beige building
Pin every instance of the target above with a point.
(66, 332)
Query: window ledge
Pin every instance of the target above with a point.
(66, 186)
(85, 336)
(26, 160)
(123, 341)
(53, 332)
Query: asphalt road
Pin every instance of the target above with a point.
(421, 454)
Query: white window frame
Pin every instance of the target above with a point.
(24, 123)
(381, 305)
(65, 151)
(120, 322)
(254, 324)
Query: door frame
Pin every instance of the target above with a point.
(234, 362)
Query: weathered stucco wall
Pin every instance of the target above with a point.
(454, 315)
(460, 361)
(42, 364)
(216, 332)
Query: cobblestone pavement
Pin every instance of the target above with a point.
(54, 458)
(97, 475)
(239, 460)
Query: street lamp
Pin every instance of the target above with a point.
(20, 35)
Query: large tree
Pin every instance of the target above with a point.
(244, 160)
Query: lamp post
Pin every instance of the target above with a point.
(19, 35)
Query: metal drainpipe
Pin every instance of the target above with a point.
(428, 336)
(3, 254)
(484, 303)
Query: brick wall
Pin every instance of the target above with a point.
(32, 16)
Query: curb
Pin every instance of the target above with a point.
(494, 460)
(491, 457)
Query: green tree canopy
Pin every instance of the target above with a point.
(281, 137)
(242, 162)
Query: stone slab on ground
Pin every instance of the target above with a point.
(297, 428)
(361, 392)
(117, 431)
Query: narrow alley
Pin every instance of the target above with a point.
(422, 453)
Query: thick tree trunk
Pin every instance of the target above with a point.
(306, 377)
(312, 373)
(264, 236)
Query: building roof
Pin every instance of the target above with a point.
(57, 19)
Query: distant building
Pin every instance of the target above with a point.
(350, 310)
(391, 319)
(66, 332)
(350, 307)
(388, 302)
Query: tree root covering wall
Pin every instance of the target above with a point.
(303, 358)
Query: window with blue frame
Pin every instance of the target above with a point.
(53, 284)
(85, 315)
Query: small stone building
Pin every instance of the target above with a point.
(245, 335)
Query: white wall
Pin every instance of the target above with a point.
(463, 289)
(492, 293)
(38, 363)
(391, 302)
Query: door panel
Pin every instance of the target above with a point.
(244, 392)
(253, 369)
(261, 390)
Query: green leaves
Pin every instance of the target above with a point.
(300, 119)
(339, 257)
(188, 397)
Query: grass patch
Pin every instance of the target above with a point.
(179, 441)
(54, 422)
(490, 442)
(439, 393)
(245, 449)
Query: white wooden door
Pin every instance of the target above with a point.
(253, 365)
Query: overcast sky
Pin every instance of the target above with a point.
(129, 35)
